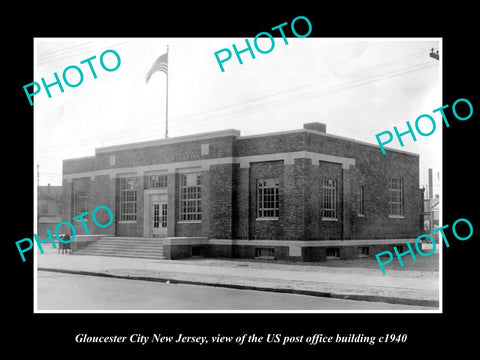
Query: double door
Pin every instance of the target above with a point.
(159, 218)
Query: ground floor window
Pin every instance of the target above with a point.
(363, 251)
(128, 199)
(333, 253)
(361, 201)
(267, 198)
(81, 203)
(264, 252)
(191, 197)
(329, 199)
(395, 197)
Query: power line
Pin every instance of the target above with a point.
(89, 51)
(316, 93)
(66, 49)
(259, 108)
(388, 62)
(234, 113)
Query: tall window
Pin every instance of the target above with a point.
(190, 197)
(395, 197)
(329, 199)
(128, 199)
(81, 203)
(157, 181)
(267, 198)
(361, 201)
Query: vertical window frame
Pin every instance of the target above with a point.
(396, 198)
(81, 203)
(190, 199)
(128, 199)
(268, 199)
(329, 199)
(361, 201)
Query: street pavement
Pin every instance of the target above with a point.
(76, 293)
(419, 288)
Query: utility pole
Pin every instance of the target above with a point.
(434, 55)
(166, 103)
(38, 175)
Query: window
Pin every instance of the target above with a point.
(329, 199)
(157, 181)
(264, 252)
(128, 199)
(191, 197)
(197, 251)
(267, 198)
(395, 197)
(81, 203)
(363, 251)
(205, 149)
(361, 201)
(44, 209)
(333, 253)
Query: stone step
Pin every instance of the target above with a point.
(115, 254)
(124, 251)
(147, 248)
(125, 246)
(133, 240)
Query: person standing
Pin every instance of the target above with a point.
(66, 246)
(61, 244)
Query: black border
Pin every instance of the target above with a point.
(428, 334)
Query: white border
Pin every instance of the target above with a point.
(439, 310)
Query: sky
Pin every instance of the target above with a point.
(358, 87)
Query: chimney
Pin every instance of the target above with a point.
(317, 126)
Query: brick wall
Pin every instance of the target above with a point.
(241, 201)
(229, 191)
(373, 170)
(218, 209)
(270, 144)
(168, 153)
(219, 251)
(374, 176)
(79, 165)
(297, 202)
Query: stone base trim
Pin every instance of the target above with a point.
(289, 250)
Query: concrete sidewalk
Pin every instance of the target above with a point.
(399, 287)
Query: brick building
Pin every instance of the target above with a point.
(294, 195)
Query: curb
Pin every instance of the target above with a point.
(357, 297)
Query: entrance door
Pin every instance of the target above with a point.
(159, 218)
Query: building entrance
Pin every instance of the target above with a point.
(159, 218)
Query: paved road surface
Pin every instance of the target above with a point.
(57, 291)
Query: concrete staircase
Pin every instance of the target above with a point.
(132, 247)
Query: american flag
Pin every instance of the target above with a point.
(161, 64)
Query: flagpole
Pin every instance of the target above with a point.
(166, 106)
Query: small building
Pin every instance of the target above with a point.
(294, 195)
(49, 200)
(432, 216)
